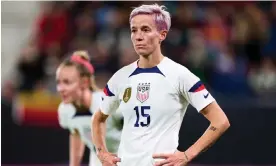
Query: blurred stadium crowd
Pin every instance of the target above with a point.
(231, 46)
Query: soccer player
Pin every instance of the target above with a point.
(153, 94)
(80, 99)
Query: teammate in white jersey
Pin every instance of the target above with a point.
(153, 94)
(80, 99)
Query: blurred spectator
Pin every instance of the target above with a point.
(196, 55)
(215, 30)
(85, 24)
(229, 74)
(30, 67)
(263, 79)
(270, 49)
(52, 25)
(256, 33)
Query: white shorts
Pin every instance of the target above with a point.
(94, 160)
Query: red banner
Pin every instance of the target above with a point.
(38, 108)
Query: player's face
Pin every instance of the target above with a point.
(144, 35)
(68, 83)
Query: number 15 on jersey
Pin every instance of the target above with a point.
(142, 112)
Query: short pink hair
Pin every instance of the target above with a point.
(162, 17)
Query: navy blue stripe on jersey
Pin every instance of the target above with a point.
(107, 92)
(199, 86)
(146, 70)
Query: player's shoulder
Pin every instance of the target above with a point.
(98, 93)
(125, 71)
(97, 96)
(172, 67)
(65, 113)
(65, 109)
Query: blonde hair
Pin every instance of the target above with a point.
(84, 72)
(162, 17)
(83, 54)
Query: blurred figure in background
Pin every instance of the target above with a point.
(263, 79)
(80, 99)
(30, 68)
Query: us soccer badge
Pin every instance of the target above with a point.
(127, 94)
(143, 90)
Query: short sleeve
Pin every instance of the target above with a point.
(194, 91)
(63, 117)
(110, 99)
(97, 99)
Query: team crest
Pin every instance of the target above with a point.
(127, 94)
(143, 92)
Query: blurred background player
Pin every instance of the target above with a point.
(153, 94)
(80, 99)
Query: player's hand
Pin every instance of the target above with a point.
(108, 159)
(175, 159)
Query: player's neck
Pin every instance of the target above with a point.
(151, 60)
(85, 99)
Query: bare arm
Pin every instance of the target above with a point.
(98, 136)
(218, 125)
(98, 130)
(76, 149)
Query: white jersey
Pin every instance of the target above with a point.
(153, 102)
(70, 119)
